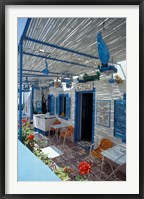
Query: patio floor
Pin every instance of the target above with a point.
(73, 154)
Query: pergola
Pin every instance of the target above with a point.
(66, 46)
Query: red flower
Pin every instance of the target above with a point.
(84, 168)
(24, 121)
(31, 137)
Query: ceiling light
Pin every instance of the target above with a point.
(41, 50)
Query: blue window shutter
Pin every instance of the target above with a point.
(52, 105)
(68, 106)
(49, 103)
(120, 119)
(57, 105)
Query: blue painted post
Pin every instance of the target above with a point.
(31, 107)
(93, 114)
(20, 89)
(75, 118)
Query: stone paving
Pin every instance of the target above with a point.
(73, 154)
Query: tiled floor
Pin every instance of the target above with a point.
(73, 154)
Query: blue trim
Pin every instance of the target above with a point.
(108, 113)
(77, 113)
(67, 112)
(51, 100)
(89, 91)
(93, 114)
(31, 107)
(38, 75)
(26, 28)
(38, 106)
(57, 105)
(24, 91)
(108, 69)
(59, 60)
(45, 133)
(68, 106)
(20, 90)
(38, 71)
(75, 116)
(65, 118)
(61, 48)
(120, 119)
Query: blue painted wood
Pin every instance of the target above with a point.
(38, 106)
(38, 71)
(45, 133)
(120, 119)
(49, 102)
(20, 89)
(57, 105)
(61, 48)
(30, 168)
(93, 114)
(26, 28)
(77, 113)
(78, 118)
(52, 105)
(31, 106)
(68, 103)
(38, 75)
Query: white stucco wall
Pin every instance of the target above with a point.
(104, 91)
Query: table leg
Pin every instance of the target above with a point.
(56, 135)
(114, 171)
(102, 163)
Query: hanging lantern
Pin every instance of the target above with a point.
(45, 70)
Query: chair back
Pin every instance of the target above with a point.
(70, 128)
(105, 144)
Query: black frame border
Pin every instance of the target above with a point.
(3, 3)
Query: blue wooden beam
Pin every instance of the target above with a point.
(61, 48)
(38, 75)
(38, 71)
(59, 60)
(26, 28)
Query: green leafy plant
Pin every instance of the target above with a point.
(41, 143)
(80, 178)
(60, 172)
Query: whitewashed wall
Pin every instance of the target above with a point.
(104, 91)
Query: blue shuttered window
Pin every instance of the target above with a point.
(120, 119)
(63, 104)
(52, 105)
(51, 101)
(57, 105)
(68, 106)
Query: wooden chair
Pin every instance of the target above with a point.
(104, 145)
(67, 132)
